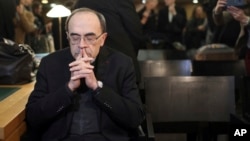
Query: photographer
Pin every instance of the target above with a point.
(224, 13)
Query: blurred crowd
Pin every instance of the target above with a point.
(166, 24)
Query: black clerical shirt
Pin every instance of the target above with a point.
(86, 115)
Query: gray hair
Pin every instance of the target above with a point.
(84, 9)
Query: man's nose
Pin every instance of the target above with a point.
(83, 43)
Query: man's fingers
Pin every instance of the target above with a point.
(84, 53)
(80, 74)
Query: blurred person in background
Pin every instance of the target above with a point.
(23, 21)
(195, 31)
(39, 40)
(224, 13)
(149, 18)
(227, 28)
(208, 6)
(171, 23)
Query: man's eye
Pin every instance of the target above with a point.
(90, 38)
(75, 37)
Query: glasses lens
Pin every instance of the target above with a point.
(75, 39)
(90, 39)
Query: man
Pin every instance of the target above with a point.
(227, 28)
(87, 92)
(148, 17)
(123, 26)
(171, 23)
(223, 13)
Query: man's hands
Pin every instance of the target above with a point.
(220, 6)
(81, 68)
(238, 14)
(172, 9)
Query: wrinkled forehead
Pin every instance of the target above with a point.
(84, 21)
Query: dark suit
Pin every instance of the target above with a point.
(48, 108)
(172, 30)
(123, 25)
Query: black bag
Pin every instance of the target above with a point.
(16, 63)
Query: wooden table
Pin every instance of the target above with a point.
(12, 115)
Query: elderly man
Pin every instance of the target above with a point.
(87, 92)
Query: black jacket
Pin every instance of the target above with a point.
(48, 109)
(172, 30)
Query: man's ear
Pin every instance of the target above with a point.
(104, 36)
(67, 34)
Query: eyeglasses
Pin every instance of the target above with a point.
(89, 38)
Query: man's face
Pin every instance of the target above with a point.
(169, 2)
(85, 35)
(151, 4)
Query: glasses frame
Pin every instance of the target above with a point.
(84, 37)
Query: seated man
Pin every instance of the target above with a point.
(87, 92)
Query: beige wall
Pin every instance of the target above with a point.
(189, 8)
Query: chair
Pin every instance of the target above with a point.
(151, 68)
(177, 55)
(159, 68)
(218, 68)
(151, 54)
(161, 54)
(246, 99)
(215, 52)
(190, 104)
(145, 130)
(235, 68)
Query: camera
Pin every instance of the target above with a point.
(236, 3)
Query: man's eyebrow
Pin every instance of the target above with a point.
(87, 34)
(73, 34)
(90, 34)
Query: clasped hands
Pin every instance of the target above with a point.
(81, 68)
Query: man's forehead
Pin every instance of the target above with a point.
(84, 20)
(85, 14)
